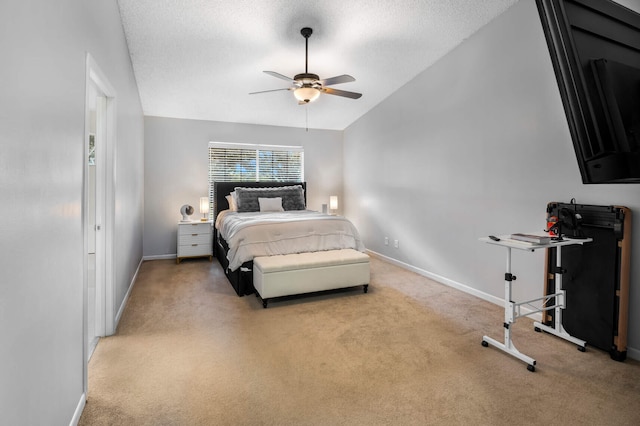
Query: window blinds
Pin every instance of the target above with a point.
(250, 162)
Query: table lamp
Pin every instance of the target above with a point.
(204, 207)
(333, 204)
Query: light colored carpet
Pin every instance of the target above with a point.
(188, 351)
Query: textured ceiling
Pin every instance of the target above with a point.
(199, 59)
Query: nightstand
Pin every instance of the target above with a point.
(195, 239)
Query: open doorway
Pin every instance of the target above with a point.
(94, 183)
(98, 209)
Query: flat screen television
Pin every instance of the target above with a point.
(595, 51)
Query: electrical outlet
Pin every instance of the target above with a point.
(386, 241)
(396, 244)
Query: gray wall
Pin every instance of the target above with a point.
(42, 116)
(477, 144)
(177, 162)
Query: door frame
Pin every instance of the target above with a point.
(105, 297)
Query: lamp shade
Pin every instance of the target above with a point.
(306, 94)
(333, 202)
(204, 205)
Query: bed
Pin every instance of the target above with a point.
(246, 232)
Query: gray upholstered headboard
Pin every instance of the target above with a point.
(222, 189)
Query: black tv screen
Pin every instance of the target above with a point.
(595, 51)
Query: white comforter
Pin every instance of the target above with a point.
(256, 234)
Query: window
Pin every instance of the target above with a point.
(249, 162)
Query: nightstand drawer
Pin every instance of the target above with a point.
(194, 228)
(195, 250)
(194, 239)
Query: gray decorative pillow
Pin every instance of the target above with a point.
(292, 197)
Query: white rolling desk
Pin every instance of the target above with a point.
(512, 310)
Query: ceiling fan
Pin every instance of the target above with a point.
(307, 87)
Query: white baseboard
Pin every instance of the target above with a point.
(160, 257)
(126, 297)
(79, 409)
(451, 283)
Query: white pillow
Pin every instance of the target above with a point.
(231, 199)
(273, 204)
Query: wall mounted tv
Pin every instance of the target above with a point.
(595, 50)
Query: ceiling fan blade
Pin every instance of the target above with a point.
(280, 76)
(344, 93)
(337, 80)
(272, 90)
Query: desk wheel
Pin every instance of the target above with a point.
(485, 344)
(537, 329)
(582, 348)
(531, 368)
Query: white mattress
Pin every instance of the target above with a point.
(256, 234)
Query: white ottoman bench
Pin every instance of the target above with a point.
(290, 274)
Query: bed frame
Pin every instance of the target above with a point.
(242, 278)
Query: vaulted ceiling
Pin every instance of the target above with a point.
(200, 59)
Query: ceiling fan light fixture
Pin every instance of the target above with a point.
(306, 94)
